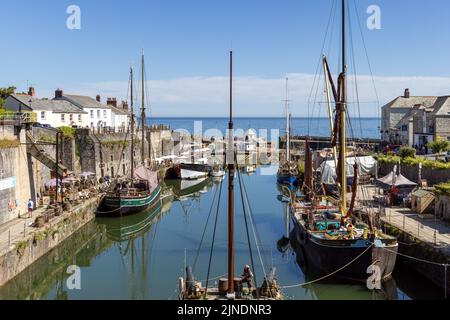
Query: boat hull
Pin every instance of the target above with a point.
(286, 179)
(325, 257)
(116, 206)
(187, 171)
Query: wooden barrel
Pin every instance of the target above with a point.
(223, 285)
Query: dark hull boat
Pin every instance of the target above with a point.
(188, 171)
(348, 259)
(129, 202)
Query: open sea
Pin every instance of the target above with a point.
(360, 128)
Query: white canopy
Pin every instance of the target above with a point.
(366, 166)
(396, 180)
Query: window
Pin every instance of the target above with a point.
(431, 129)
(79, 118)
(112, 158)
(71, 117)
(63, 118)
(98, 113)
(404, 128)
(92, 113)
(104, 113)
(42, 115)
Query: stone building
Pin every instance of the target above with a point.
(415, 120)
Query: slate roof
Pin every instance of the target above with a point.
(402, 102)
(84, 102)
(56, 106)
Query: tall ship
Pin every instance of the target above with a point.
(327, 233)
(140, 190)
(287, 171)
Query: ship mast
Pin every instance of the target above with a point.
(143, 111)
(132, 123)
(231, 168)
(342, 114)
(288, 125)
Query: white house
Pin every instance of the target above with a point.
(98, 115)
(120, 114)
(50, 112)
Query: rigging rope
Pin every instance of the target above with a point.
(331, 274)
(214, 236)
(204, 229)
(246, 229)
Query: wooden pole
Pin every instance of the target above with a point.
(231, 169)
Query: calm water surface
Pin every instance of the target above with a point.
(137, 258)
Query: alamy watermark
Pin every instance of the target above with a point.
(73, 282)
(374, 19)
(374, 280)
(73, 21)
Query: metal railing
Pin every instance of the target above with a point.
(18, 117)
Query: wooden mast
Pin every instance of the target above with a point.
(288, 127)
(143, 111)
(342, 115)
(132, 123)
(231, 169)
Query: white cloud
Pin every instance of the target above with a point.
(258, 96)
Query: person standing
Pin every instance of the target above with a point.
(30, 206)
(247, 277)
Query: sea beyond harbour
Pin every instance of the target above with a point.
(363, 128)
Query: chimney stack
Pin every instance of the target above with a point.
(98, 98)
(111, 102)
(31, 92)
(58, 94)
(124, 105)
(407, 94)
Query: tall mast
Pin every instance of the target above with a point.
(343, 107)
(288, 125)
(231, 169)
(132, 123)
(143, 111)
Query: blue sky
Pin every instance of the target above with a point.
(187, 42)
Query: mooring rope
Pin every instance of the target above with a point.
(331, 274)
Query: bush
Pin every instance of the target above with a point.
(407, 152)
(68, 132)
(443, 188)
(439, 146)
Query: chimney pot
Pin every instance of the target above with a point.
(407, 94)
(58, 94)
(111, 102)
(124, 105)
(98, 98)
(31, 92)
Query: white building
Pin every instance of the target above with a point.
(56, 113)
(120, 115)
(98, 115)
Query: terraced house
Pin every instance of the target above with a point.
(416, 120)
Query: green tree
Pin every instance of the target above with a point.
(4, 93)
(407, 152)
(439, 146)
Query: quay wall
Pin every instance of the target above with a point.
(36, 244)
(411, 246)
(433, 176)
(15, 177)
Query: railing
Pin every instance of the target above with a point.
(18, 117)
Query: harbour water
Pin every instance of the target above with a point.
(361, 128)
(137, 258)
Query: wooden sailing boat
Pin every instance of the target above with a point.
(286, 174)
(229, 288)
(331, 240)
(141, 191)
